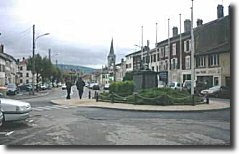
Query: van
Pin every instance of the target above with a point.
(198, 86)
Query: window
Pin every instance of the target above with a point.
(166, 51)
(174, 63)
(187, 46)
(152, 68)
(213, 60)
(27, 74)
(158, 57)
(187, 62)
(154, 58)
(162, 52)
(200, 61)
(27, 81)
(174, 49)
(216, 81)
(166, 65)
(21, 68)
(21, 81)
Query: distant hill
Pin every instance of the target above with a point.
(83, 69)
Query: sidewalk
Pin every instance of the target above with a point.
(213, 105)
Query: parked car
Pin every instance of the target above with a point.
(94, 86)
(1, 115)
(25, 87)
(161, 84)
(43, 87)
(63, 86)
(12, 89)
(198, 86)
(14, 110)
(217, 91)
(106, 86)
(174, 85)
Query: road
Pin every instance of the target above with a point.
(51, 124)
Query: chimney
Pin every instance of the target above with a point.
(187, 25)
(199, 22)
(175, 31)
(122, 60)
(1, 48)
(220, 13)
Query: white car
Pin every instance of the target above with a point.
(107, 86)
(174, 85)
(63, 86)
(14, 110)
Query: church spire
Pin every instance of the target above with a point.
(111, 48)
(111, 56)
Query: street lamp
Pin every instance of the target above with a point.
(33, 55)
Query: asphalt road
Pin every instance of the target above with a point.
(51, 124)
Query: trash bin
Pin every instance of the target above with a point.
(3, 91)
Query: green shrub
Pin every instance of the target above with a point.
(124, 88)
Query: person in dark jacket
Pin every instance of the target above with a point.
(80, 86)
(68, 88)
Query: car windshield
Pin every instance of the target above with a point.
(11, 86)
(172, 85)
(214, 88)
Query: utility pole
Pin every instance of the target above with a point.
(168, 52)
(192, 57)
(156, 34)
(33, 59)
(142, 47)
(180, 52)
(49, 54)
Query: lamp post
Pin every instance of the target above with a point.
(33, 54)
(192, 57)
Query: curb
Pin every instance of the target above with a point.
(29, 96)
(124, 107)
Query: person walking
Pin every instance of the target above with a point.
(80, 86)
(68, 88)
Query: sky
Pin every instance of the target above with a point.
(81, 30)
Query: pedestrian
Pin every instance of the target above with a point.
(68, 88)
(80, 86)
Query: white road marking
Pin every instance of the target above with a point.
(53, 107)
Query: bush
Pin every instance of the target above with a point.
(156, 96)
(124, 88)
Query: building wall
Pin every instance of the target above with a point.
(2, 71)
(26, 75)
(225, 67)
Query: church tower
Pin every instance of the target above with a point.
(111, 56)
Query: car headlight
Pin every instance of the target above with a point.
(20, 108)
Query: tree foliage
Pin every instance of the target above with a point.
(44, 69)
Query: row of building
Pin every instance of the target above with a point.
(13, 70)
(213, 47)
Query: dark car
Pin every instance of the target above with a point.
(217, 91)
(25, 87)
(12, 89)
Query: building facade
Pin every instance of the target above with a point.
(24, 74)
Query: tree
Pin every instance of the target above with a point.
(44, 69)
(128, 76)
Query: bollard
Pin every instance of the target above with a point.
(89, 96)
(97, 97)
(207, 99)
(95, 94)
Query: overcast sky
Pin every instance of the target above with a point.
(81, 30)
